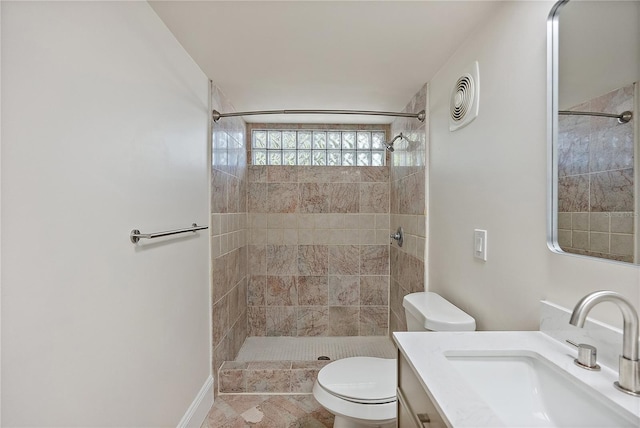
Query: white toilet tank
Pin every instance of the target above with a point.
(427, 311)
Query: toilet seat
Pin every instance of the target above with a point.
(363, 380)
(369, 415)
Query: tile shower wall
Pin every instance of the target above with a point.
(596, 179)
(318, 251)
(228, 234)
(408, 208)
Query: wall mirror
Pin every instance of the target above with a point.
(594, 180)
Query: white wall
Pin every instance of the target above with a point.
(104, 130)
(493, 175)
(599, 49)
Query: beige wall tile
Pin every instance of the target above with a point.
(275, 221)
(344, 198)
(374, 290)
(321, 221)
(411, 245)
(289, 236)
(344, 320)
(275, 236)
(313, 290)
(580, 240)
(351, 236)
(382, 237)
(336, 221)
(612, 190)
(282, 259)
(305, 237)
(295, 235)
(215, 247)
(258, 236)
(282, 174)
(281, 291)
(215, 224)
(622, 244)
(312, 321)
(383, 221)
(573, 193)
(344, 290)
(321, 236)
(374, 197)
(599, 222)
(599, 242)
(367, 221)
(313, 260)
(367, 237)
(257, 198)
(580, 221)
(281, 321)
(374, 320)
(268, 380)
(344, 260)
(256, 290)
(351, 221)
(421, 226)
(314, 197)
(336, 236)
(622, 222)
(282, 197)
(374, 260)
(422, 248)
(564, 238)
(256, 321)
(257, 220)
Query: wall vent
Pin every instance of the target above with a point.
(464, 98)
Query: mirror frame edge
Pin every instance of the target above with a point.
(552, 127)
(552, 141)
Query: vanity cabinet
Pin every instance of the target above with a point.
(415, 408)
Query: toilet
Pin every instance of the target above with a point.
(361, 391)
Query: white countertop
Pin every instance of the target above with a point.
(458, 403)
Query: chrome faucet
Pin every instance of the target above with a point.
(629, 371)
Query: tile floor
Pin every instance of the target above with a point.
(267, 411)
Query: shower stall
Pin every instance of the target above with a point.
(302, 265)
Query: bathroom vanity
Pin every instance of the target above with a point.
(415, 408)
(503, 379)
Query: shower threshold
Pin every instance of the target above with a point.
(290, 365)
(310, 348)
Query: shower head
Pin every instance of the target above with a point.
(389, 145)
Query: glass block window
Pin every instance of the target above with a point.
(318, 148)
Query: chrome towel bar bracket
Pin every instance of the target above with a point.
(135, 234)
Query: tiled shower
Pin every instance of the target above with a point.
(596, 179)
(304, 251)
(318, 251)
(408, 206)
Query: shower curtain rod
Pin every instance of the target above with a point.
(216, 115)
(623, 117)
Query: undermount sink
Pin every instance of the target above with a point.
(526, 390)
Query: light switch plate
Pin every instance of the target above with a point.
(480, 244)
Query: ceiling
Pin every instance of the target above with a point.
(361, 55)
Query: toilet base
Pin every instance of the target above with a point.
(342, 422)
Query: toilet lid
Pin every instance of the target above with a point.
(361, 379)
(437, 313)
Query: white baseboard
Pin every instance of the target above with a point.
(199, 409)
